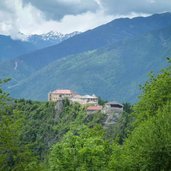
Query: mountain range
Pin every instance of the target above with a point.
(11, 48)
(49, 39)
(111, 60)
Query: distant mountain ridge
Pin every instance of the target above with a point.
(49, 39)
(11, 48)
(113, 72)
(113, 32)
(110, 61)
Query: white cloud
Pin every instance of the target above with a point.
(57, 9)
(70, 23)
(15, 18)
(29, 20)
(33, 16)
(125, 7)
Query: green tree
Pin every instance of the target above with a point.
(101, 101)
(82, 150)
(14, 155)
(148, 146)
(156, 93)
(127, 107)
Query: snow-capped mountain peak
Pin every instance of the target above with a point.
(50, 38)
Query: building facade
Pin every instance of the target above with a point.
(94, 109)
(57, 95)
(114, 106)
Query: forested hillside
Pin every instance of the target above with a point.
(116, 57)
(111, 33)
(46, 136)
(118, 68)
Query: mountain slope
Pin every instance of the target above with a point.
(49, 39)
(112, 72)
(10, 48)
(113, 32)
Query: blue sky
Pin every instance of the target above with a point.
(65, 16)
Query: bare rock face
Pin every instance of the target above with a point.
(113, 111)
(112, 118)
(59, 106)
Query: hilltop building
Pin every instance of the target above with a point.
(111, 109)
(94, 109)
(114, 106)
(57, 95)
(86, 99)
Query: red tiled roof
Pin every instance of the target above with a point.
(62, 92)
(94, 108)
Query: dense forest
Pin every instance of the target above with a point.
(44, 136)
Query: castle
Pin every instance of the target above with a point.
(91, 101)
(58, 95)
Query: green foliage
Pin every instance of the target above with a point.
(38, 132)
(101, 101)
(122, 128)
(112, 72)
(127, 107)
(38, 126)
(62, 136)
(14, 155)
(73, 116)
(156, 93)
(148, 146)
(83, 150)
(118, 159)
(119, 131)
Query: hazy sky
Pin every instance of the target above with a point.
(65, 16)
